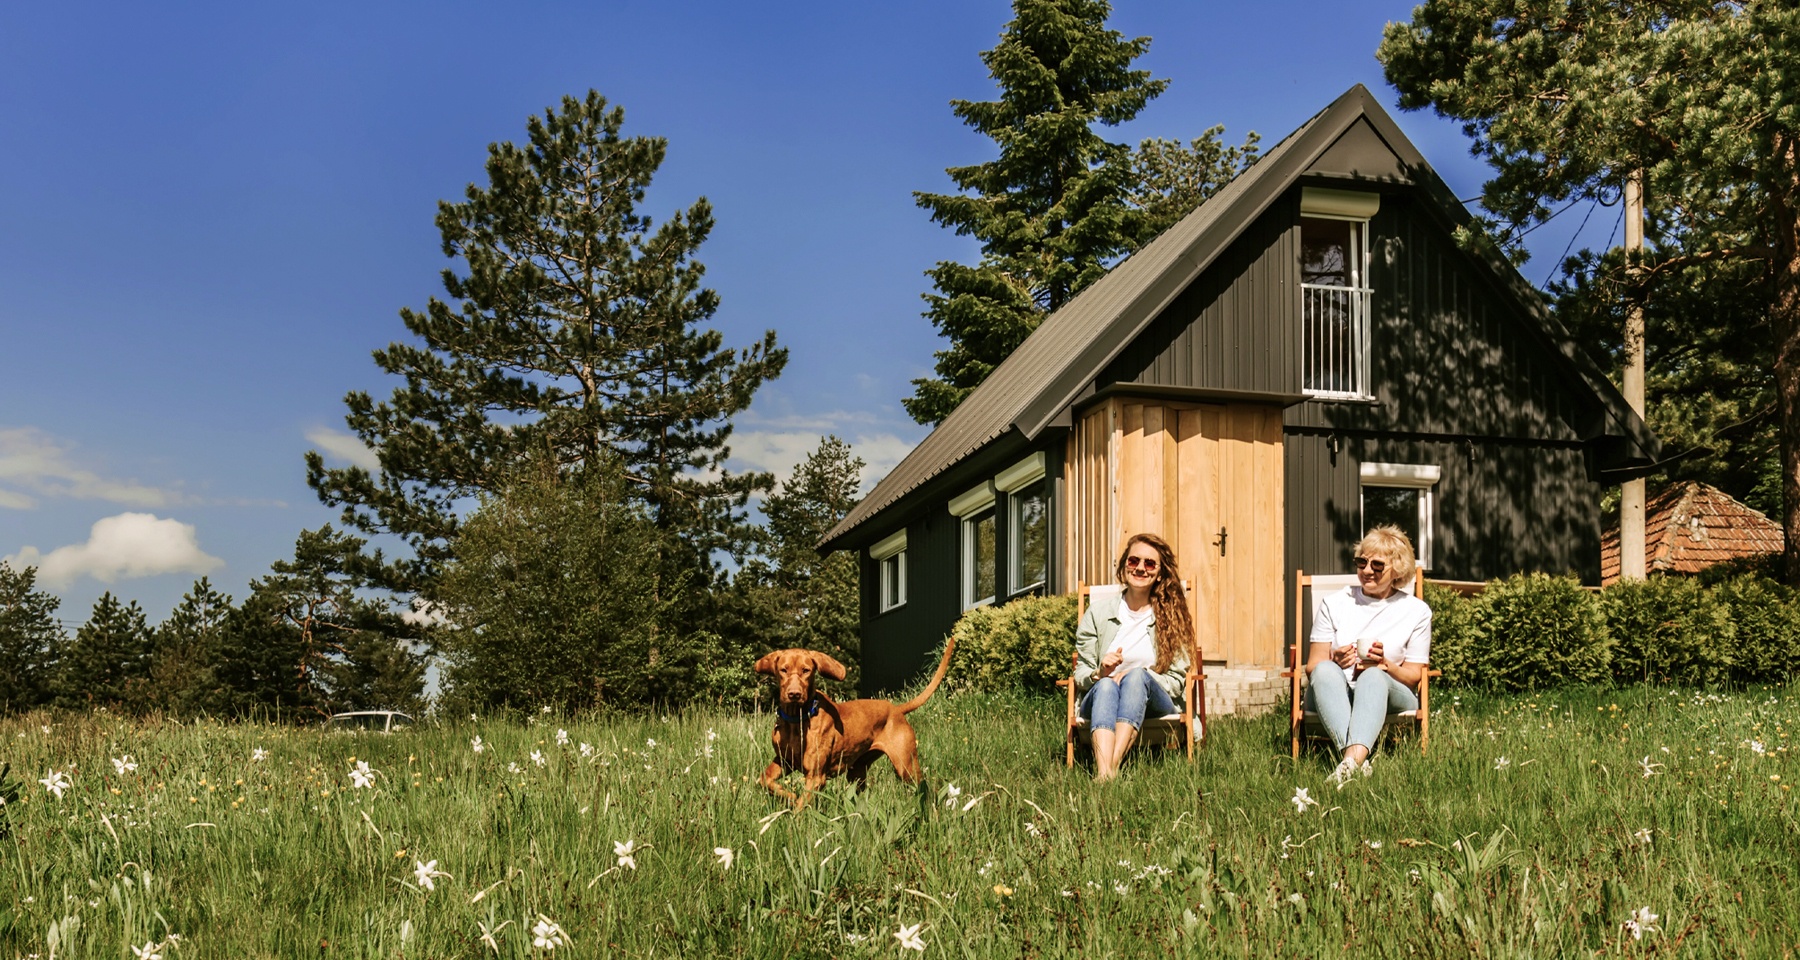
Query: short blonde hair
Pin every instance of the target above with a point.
(1389, 544)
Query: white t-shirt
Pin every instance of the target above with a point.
(1401, 622)
(1134, 639)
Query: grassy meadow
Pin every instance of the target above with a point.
(1536, 826)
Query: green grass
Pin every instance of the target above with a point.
(1446, 854)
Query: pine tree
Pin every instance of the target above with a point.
(31, 640)
(573, 333)
(108, 663)
(1050, 211)
(1566, 101)
(319, 596)
(1169, 180)
(184, 667)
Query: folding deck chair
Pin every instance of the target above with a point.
(1304, 723)
(1165, 731)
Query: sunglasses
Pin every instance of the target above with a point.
(1375, 566)
(1148, 565)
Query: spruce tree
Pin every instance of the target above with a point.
(1051, 211)
(108, 663)
(31, 640)
(184, 667)
(574, 329)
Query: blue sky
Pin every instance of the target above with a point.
(214, 212)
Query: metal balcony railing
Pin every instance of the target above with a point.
(1335, 341)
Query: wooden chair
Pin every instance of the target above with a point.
(1185, 727)
(1304, 723)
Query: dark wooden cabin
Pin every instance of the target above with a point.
(1308, 353)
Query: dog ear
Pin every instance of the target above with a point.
(829, 668)
(767, 663)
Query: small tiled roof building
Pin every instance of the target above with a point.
(1690, 526)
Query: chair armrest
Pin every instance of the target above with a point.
(1064, 682)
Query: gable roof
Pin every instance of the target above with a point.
(1058, 362)
(1691, 526)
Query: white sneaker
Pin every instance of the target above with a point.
(1368, 767)
(1346, 769)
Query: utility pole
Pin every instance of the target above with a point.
(1631, 500)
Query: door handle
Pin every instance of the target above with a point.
(1220, 543)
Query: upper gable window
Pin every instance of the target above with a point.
(1334, 291)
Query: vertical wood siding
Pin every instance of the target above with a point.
(1186, 471)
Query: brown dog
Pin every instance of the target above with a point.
(822, 738)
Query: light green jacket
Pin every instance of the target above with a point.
(1096, 632)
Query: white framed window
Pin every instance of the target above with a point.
(1028, 537)
(1402, 494)
(1334, 291)
(890, 563)
(975, 511)
(1027, 523)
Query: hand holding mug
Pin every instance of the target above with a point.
(1374, 655)
(1345, 656)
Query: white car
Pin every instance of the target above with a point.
(372, 721)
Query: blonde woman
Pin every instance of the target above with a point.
(1133, 650)
(1370, 646)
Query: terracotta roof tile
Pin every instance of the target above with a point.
(1691, 526)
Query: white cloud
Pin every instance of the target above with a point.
(780, 451)
(33, 462)
(344, 447)
(123, 547)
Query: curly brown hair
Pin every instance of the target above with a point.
(1174, 627)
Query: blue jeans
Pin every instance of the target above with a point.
(1356, 716)
(1128, 699)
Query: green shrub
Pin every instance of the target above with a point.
(1766, 616)
(1025, 644)
(1455, 634)
(1535, 631)
(1668, 630)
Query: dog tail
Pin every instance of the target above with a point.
(936, 678)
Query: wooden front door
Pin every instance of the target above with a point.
(1207, 478)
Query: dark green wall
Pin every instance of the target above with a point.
(1237, 326)
(898, 646)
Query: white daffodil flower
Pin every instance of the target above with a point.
(1650, 769)
(587, 749)
(1502, 763)
(258, 755)
(1642, 921)
(1301, 800)
(562, 737)
(909, 938)
(361, 776)
(625, 852)
(426, 872)
(56, 782)
(537, 757)
(950, 794)
(151, 950)
(547, 934)
(124, 764)
(726, 855)
(476, 744)
(1642, 836)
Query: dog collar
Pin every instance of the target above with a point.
(804, 713)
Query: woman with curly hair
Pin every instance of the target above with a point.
(1133, 650)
